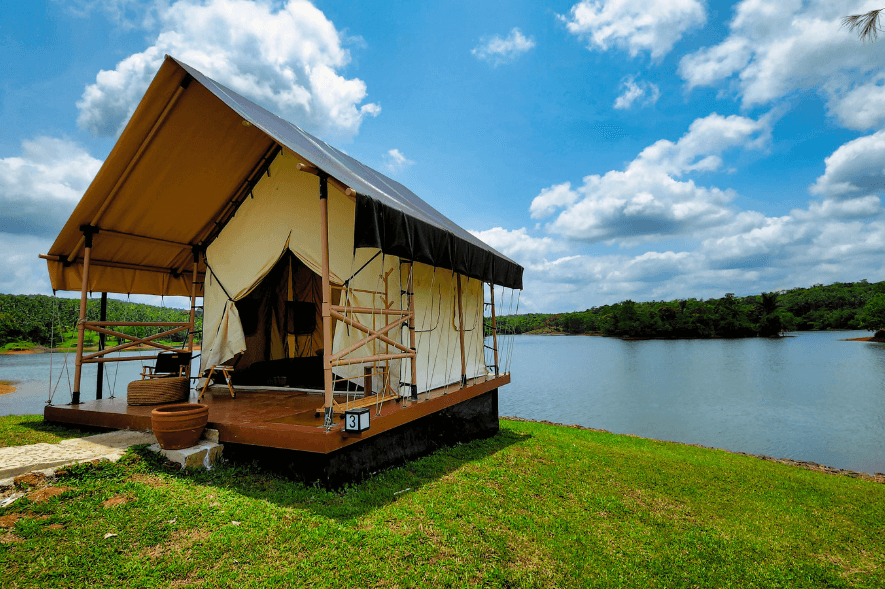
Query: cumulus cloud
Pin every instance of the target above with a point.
(632, 91)
(40, 188)
(395, 161)
(775, 48)
(855, 169)
(284, 56)
(497, 50)
(653, 26)
(648, 200)
(518, 244)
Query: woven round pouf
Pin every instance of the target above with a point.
(179, 426)
(155, 391)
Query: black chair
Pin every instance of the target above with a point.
(169, 364)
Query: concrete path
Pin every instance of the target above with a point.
(112, 445)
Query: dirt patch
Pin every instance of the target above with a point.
(115, 501)
(46, 493)
(55, 527)
(7, 521)
(20, 352)
(6, 387)
(10, 538)
(150, 480)
(179, 542)
(30, 479)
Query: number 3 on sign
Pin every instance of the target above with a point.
(352, 422)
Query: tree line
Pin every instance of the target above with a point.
(842, 305)
(46, 321)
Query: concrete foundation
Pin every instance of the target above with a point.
(206, 453)
(469, 420)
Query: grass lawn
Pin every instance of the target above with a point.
(534, 506)
(19, 430)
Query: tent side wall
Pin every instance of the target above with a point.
(285, 214)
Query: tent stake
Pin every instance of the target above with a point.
(327, 299)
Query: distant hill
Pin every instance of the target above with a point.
(842, 305)
(27, 320)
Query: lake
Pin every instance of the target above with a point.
(809, 397)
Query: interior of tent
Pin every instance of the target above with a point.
(263, 297)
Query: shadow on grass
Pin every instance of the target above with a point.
(350, 501)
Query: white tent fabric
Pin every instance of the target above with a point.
(285, 213)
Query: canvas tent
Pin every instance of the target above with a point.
(294, 245)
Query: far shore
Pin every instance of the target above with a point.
(45, 350)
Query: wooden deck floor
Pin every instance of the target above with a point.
(275, 419)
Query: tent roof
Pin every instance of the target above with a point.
(191, 152)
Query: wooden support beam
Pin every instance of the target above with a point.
(341, 186)
(91, 324)
(368, 310)
(410, 294)
(99, 374)
(461, 335)
(192, 326)
(368, 359)
(146, 239)
(371, 332)
(147, 340)
(88, 234)
(327, 301)
(120, 359)
(494, 329)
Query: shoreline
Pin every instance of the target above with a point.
(878, 477)
(45, 350)
(7, 387)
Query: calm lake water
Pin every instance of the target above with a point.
(808, 397)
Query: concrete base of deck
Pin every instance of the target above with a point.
(285, 420)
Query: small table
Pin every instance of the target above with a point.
(225, 370)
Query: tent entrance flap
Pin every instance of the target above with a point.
(282, 328)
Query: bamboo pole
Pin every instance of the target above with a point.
(494, 329)
(147, 340)
(410, 293)
(372, 333)
(88, 233)
(367, 359)
(461, 335)
(120, 359)
(367, 310)
(92, 324)
(327, 301)
(99, 374)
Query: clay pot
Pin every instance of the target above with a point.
(179, 426)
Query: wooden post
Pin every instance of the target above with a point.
(494, 329)
(461, 335)
(410, 293)
(88, 232)
(190, 337)
(327, 301)
(99, 374)
(367, 381)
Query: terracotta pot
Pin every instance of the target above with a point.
(179, 426)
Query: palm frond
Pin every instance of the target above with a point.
(867, 24)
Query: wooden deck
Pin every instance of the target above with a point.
(276, 418)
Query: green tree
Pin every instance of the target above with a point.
(872, 317)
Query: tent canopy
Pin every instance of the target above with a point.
(192, 152)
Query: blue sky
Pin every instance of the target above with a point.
(617, 149)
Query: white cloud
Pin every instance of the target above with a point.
(518, 244)
(40, 188)
(284, 56)
(497, 50)
(862, 107)
(647, 200)
(395, 161)
(855, 169)
(776, 48)
(653, 26)
(646, 92)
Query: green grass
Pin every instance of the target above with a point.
(534, 506)
(19, 430)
